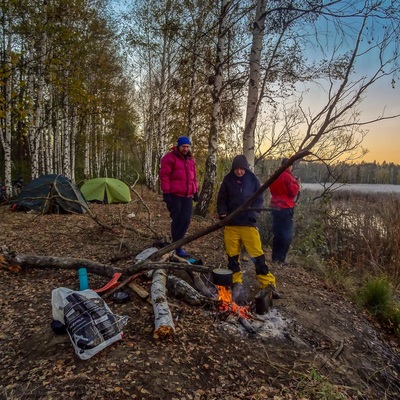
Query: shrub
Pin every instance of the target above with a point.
(377, 296)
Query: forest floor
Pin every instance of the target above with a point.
(313, 344)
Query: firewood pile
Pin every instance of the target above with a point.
(164, 283)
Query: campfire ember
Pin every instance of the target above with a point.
(227, 305)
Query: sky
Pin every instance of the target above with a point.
(383, 139)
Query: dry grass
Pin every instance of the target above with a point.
(350, 240)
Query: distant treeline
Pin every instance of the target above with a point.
(365, 172)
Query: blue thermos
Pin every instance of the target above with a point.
(83, 279)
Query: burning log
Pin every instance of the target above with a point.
(228, 307)
(236, 319)
(246, 325)
(182, 290)
(163, 322)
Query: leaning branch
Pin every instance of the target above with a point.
(132, 269)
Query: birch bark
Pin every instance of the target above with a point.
(74, 131)
(6, 128)
(212, 155)
(254, 82)
(35, 90)
(163, 322)
(86, 152)
(66, 148)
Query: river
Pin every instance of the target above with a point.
(354, 187)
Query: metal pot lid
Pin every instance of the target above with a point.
(222, 271)
(222, 277)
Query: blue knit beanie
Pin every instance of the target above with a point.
(183, 140)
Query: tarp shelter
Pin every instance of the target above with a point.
(106, 190)
(51, 194)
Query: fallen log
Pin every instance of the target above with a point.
(46, 262)
(14, 262)
(201, 286)
(182, 290)
(163, 322)
(197, 281)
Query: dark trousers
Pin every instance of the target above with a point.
(283, 229)
(180, 211)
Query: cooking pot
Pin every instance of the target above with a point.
(222, 277)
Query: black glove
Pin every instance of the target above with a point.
(196, 197)
(166, 197)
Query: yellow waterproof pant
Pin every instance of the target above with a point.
(248, 236)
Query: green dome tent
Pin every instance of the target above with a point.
(106, 190)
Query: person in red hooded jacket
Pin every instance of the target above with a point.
(179, 186)
(284, 191)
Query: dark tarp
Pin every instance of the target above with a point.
(51, 194)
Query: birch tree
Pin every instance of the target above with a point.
(211, 161)
(5, 134)
(254, 82)
(152, 41)
(227, 51)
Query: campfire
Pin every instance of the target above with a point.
(226, 304)
(228, 309)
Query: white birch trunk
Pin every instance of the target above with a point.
(6, 131)
(212, 156)
(58, 144)
(86, 155)
(163, 322)
(102, 154)
(199, 23)
(254, 82)
(95, 149)
(148, 160)
(66, 149)
(161, 133)
(74, 130)
(150, 164)
(36, 94)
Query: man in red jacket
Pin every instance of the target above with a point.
(283, 193)
(179, 186)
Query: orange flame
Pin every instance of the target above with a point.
(227, 304)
